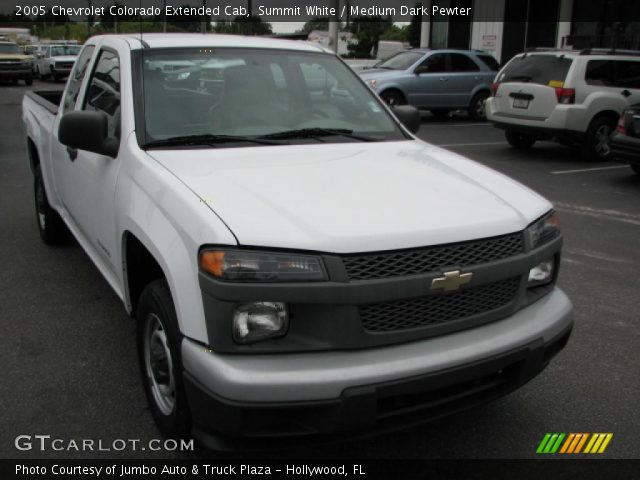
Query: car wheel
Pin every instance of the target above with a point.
(161, 367)
(635, 168)
(597, 146)
(520, 141)
(393, 98)
(51, 227)
(28, 80)
(476, 108)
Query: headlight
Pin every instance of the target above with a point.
(372, 83)
(541, 274)
(255, 266)
(544, 230)
(257, 321)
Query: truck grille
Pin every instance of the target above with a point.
(431, 259)
(438, 309)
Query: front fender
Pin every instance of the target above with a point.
(172, 223)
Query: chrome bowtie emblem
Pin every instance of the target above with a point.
(451, 281)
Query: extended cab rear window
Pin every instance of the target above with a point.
(540, 69)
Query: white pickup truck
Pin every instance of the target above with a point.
(298, 263)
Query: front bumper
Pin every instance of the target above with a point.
(625, 149)
(322, 393)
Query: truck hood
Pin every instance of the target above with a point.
(353, 197)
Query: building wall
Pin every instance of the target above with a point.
(482, 32)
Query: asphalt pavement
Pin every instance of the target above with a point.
(68, 348)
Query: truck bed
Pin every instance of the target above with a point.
(49, 99)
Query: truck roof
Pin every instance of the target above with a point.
(175, 40)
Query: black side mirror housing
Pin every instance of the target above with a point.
(85, 130)
(408, 115)
(421, 69)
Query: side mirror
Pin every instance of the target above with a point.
(88, 131)
(421, 69)
(408, 115)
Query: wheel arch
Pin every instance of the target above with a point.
(394, 89)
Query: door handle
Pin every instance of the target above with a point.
(73, 153)
(625, 93)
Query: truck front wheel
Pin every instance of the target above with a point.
(160, 363)
(51, 227)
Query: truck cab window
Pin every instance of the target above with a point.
(75, 81)
(103, 93)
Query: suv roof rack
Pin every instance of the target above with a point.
(549, 49)
(609, 51)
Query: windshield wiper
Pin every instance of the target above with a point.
(317, 133)
(206, 139)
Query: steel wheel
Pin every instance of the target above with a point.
(159, 364)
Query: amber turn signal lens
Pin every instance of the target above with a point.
(212, 262)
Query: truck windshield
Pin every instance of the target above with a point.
(235, 96)
(9, 48)
(61, 50)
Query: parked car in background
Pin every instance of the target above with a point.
(575, 97)
(625, 141)
(15, 64)
(436, 80)
(56, 61)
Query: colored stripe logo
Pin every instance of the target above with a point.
(573, 443)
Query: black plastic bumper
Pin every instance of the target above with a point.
(625, 149)
(541, 133)
(223, 424)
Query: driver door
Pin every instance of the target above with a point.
(429, 82)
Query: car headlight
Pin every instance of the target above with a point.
(253, 322)
(372, 83)
(541, 274)
(544, 230)
(256, 266)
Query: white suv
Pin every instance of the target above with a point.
(571, 96)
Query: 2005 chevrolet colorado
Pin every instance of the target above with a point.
(298, 263)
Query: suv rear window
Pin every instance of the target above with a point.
(540, 69)
(490, 62)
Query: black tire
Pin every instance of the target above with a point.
(158, 341)
(52, 229)
(393, 98)
(28, 81)
(636, 169)
(520, 141)
(596, 147)
(476, 107)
